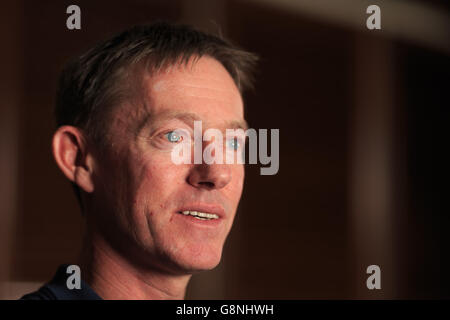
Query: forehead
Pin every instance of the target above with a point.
(204, 88)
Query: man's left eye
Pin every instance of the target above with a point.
(173, 136)
(233, 144)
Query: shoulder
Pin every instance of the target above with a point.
(57, 289)
(44, 293)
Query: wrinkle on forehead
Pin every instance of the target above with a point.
(204, 78)
(196, 91)
(206, 90)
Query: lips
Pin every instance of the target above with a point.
(202, 211)
(200, 215)
(204, 208)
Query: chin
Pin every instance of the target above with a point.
(198, 260)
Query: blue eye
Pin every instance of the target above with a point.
(233, 144)
(172, 136)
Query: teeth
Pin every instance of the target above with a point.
(201, 215)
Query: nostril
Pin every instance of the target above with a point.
(209, 177)
(206, 184)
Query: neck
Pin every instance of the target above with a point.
(113, 277)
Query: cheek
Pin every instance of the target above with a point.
(159, 179)
(237, 184)
(154, 197)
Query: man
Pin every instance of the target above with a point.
(120, 109)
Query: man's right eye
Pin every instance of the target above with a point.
(173, 137)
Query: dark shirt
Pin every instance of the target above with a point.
(57, 289)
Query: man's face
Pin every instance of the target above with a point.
(140, 193)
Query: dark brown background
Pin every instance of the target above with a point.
(356, 111)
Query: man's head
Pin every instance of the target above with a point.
(119, 110)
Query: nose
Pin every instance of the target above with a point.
(210, 176)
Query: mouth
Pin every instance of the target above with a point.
(199, 215)
(203, 213)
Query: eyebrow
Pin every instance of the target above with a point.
(186, 117)
(237, 124)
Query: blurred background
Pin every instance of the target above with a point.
(360, 112)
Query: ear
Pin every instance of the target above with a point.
(70, 152)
